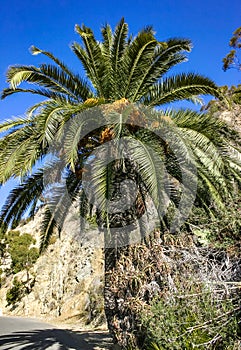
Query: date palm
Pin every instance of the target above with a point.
(126, 79)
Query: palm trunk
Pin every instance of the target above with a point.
(111, 308)
(114, 311)
(125, 206)
(121, 323)
(131, 281)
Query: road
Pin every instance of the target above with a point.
(28, 334)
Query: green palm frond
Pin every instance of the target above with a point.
(52, 116)
(79, 85)
(164, 56)
(179, 87)
(211, 190)
(22, 197)
(19, 152)
(206, 152)
(48, 227)
(52, 78)
(102, 180)
(212, 127)
(232, 159)
(64, 82)
(137, 60)
(210, 137)
(73, 136)
(41, 92)
(150, 166)
(11, 124)
(118, 44)
(109, 78)
(59, 201)
(49, 119)
(107, 40)
(117, 50)
(90, 57)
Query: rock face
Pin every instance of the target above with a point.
(232, 116)
(67, 278)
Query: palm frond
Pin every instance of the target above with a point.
(101, 184)
(79, 85)
(19, 152)
(117, 50)
(42, 92)
(11, 124)
(164, 55)
(139, 58)
(47, 229)
(59, 200)
(107, 40)
(91, 57)
(73, 136)
(51, 77)
(179, 87)
(21, 198)
(151, 169)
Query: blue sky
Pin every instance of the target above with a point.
(50, 24)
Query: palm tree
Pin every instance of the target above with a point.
(126, 79)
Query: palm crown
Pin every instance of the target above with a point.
(119, 68)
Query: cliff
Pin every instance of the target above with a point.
(66, 282)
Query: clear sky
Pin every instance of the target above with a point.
(49, 25)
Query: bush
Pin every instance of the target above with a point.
(200, 319)
(222, 231)
(189, 281)
(2, 279)
(19, 248)
(96, 314)
(15, 293)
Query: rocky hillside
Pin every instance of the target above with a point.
(232, 117)
(66, 282)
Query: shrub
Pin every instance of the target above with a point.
(15, 293)
(201, 319)
(2, 279)
(19, 248)
(222, 231)
(96, 314)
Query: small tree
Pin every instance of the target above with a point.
(15, 293)
(19, 248)
(231, 60)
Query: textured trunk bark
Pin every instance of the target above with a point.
(130, 284)
(121, 322)
(117, 320)
(111, 307)
(117, 244)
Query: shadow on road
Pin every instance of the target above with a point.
(56, 339)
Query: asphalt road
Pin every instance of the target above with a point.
(28, 334)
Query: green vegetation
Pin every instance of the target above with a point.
(180, 296)
(19, 247)
(231, 60)
(15, 293)
(232, 99)
(220, 231)
(200, 319)
(2, 279)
